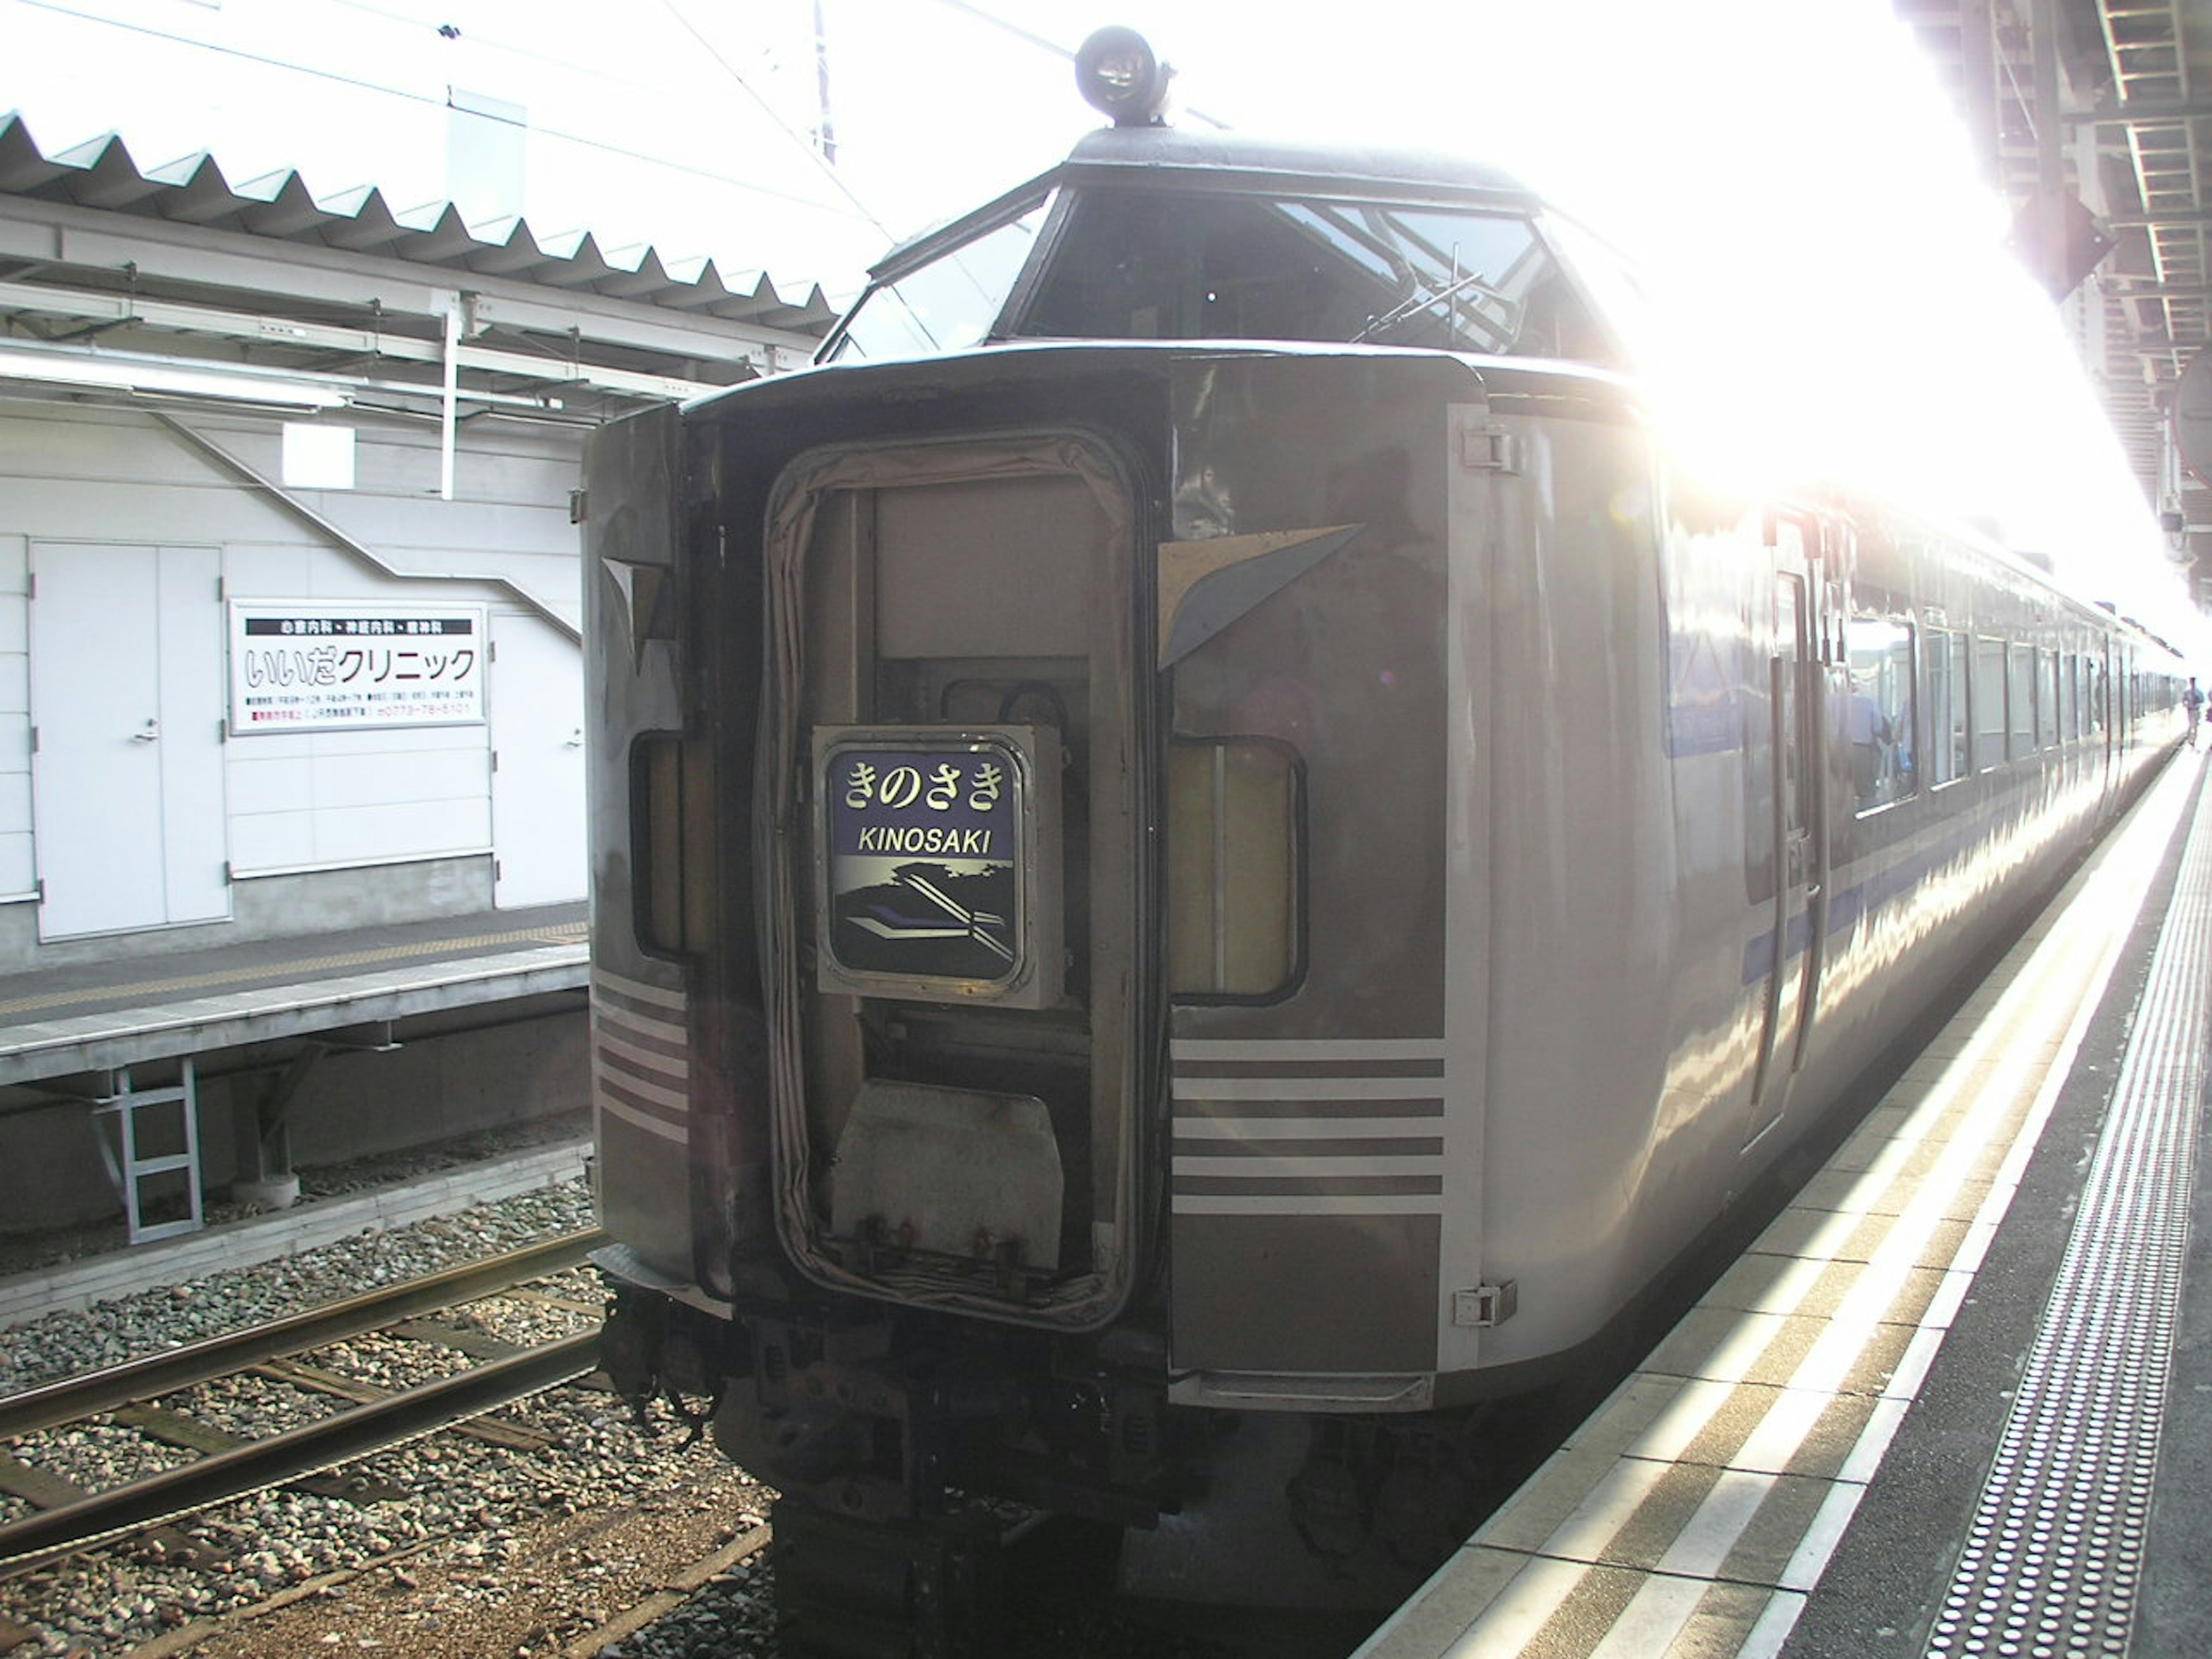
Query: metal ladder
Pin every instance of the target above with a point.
(127, 1169)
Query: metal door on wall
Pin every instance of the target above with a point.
(126, 646)
(538, 764)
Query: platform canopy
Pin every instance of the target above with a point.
(2094, 120)
(173, 280)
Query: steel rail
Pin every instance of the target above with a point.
(47, 1535)
(74, 1397)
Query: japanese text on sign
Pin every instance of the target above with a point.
(923, 854)
(299, 667)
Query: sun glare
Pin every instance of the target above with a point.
(1829, 271)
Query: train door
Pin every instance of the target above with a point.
(1793, 805)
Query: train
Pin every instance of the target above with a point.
(1210, 859)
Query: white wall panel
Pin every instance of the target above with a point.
(258, 747)
(18, 870)
(271, 783)
(271, 841)
(420, 827)
(399, 740)
(251, 570)
(352, 783)
(105, 510)
(93, 445)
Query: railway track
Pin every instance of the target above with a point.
(62, 1518)
(682, 1567)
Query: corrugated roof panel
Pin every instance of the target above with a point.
(193, 190)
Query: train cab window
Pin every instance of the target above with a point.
(1875, 720)
(1187, 265)
(943, 304)
(1987, 702)
(1233, 869)
(2021, 689)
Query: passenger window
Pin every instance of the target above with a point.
(1234, 858)
(1947, 708)
(1989, 702)
(2020, 666)
(1875, 721)
(2046, 700)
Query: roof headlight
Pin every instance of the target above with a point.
(1122, 77)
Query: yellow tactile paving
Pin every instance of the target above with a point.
(1695, 1513)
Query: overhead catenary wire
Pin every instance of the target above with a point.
(624, 152)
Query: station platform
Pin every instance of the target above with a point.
(1954, 1402)
(61, 1021)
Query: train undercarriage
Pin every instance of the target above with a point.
(906, 1448)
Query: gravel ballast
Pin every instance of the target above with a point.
(451, 1544)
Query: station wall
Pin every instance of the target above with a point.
(129, 551)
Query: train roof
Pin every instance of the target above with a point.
(1158, 157)
(1250, 160)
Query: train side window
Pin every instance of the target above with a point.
(1234, 869)
(1875, 722)
(2020, 700)
(2046, 699)
(1987, 702)
(671, 843)
(1945, 700)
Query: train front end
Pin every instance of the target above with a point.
(1038, 865)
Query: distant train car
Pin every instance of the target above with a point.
(1206, 859)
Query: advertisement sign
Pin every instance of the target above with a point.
(300, 665)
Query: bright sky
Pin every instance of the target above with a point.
(1786, 168)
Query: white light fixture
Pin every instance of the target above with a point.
(57, 367)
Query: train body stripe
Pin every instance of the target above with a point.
(640, 1093)
(1308, 1127)
(611, 1104)
(1257, 1169)
(1205, 1116)
(1431, 1069)
(1238, 1153)
(634, 990)
(1194, 1134)
(1274, 1205)
(671, 1037)
(1340, 1050)
(1305, 1088)
(644, 1059)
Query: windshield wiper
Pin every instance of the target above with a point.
(1425, 299)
